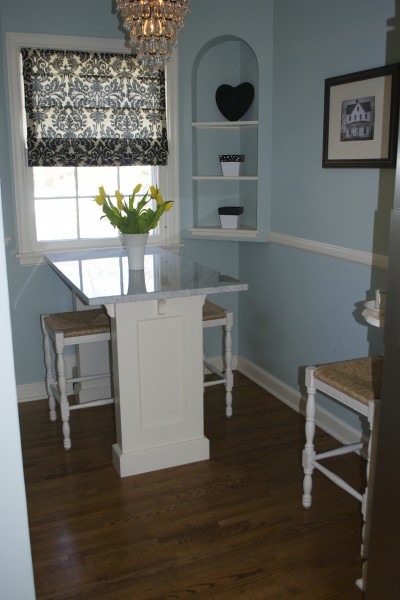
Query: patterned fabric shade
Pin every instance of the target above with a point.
(93, 109)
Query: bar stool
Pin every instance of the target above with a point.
(357, 384)
(62, 330)
(214, 316)
(83, 327)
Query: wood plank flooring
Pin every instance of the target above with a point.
(229, 528)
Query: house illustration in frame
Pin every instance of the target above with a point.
(358, 119)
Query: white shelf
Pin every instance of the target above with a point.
(218, 232)
(212, 135)
(224, 178)
(224, 124)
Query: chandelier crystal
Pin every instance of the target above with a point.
(153, 27)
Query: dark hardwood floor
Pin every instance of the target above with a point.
(229, 528)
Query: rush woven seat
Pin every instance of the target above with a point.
(67, 329)
(356, 384)
(360, 378)
(79, 323)
(214, 316)
(212, 311)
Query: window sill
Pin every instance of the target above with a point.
(30, 259)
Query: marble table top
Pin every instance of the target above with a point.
(103, 277)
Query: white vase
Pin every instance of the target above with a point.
(135, 244)
(137, 282)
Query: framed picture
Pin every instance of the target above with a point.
(361, 113)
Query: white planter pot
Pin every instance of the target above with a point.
(230, 216)
(230, 164)
(230, 169)
(229, 221)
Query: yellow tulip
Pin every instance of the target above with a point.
(153, 192)
(159, 199)
(120, 204)
(137, 188)
(169, 205)
(100, 201)
(118, 195)
(102, 192)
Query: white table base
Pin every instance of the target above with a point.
(157, 348)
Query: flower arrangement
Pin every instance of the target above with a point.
(129, 218)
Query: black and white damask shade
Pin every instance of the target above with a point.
(93, 109)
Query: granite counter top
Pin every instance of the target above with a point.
(103, 277)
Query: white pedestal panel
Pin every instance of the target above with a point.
(157, 349)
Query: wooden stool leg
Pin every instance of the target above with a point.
(62, 389)
(309, 452)
(366, 498)
(228, 364)
(50, 380)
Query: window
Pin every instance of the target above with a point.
(43, 193)
(63, 200)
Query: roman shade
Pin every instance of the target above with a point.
(92, 109)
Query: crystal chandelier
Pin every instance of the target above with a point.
(153, 27)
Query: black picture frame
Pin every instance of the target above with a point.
(361, 114)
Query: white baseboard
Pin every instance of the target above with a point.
(217, 362)
(31, 391)
(37, 391)
(335, 427)
(332, 425)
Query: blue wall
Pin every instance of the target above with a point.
(304, 308)
(300, 307)
(320, 40)
(36, 290)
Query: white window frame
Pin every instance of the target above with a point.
(168, 176)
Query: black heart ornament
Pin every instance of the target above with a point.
(234, 102)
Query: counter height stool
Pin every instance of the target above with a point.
(357, 384)
(214, 316)
(67, 329)
(86, 326)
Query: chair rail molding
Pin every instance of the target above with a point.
(377, 261)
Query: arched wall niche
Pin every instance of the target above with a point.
(222, 60)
